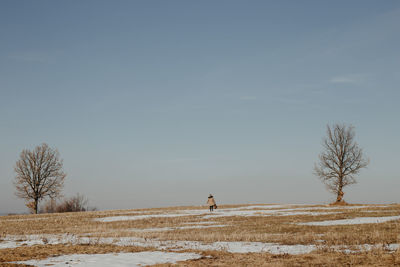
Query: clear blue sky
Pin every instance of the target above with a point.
(159, 103)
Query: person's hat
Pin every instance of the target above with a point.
(210, 196)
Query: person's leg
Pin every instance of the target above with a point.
(211, 208)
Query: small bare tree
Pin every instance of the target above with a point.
(341, 159)
(39, 174)
(74, 204)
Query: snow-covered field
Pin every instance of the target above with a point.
(171, 232)
(359, 220)
(120, 259)
(262, 210)
(234, 247)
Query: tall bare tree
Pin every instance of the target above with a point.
(39, 174)
(341, 160)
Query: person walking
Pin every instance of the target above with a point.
(211, 202)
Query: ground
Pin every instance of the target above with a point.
(240, 235)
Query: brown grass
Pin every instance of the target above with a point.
(270, 229)
(45, 251)
(329, 259)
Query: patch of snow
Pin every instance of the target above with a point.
(51, 239)
(234, 247)
(248, 213)
(311, 213)
(257, 247)
(379, 211)
(366, 247)
(8, 244)
(254, 210)
(19, 242)
(359, 220)
(200, 223)
(330, 208)
(114, 259)
(391, 247)
(266, 207)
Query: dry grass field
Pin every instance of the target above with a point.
(256, 235)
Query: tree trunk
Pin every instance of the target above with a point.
(340, 194)
(36, 205)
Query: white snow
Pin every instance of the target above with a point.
(276, 206)
(248, 213)
(8, 244)
(253, 210)
(200, 223)
(365, 247)
(234, 247)
(12, 243)
(114, 259)
(246, 247)
(225, 213)
(359, 220)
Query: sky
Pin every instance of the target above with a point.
(160, 103)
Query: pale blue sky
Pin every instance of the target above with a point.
(159, 103)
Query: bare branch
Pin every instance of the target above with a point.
(341, 159)
(39, 174)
